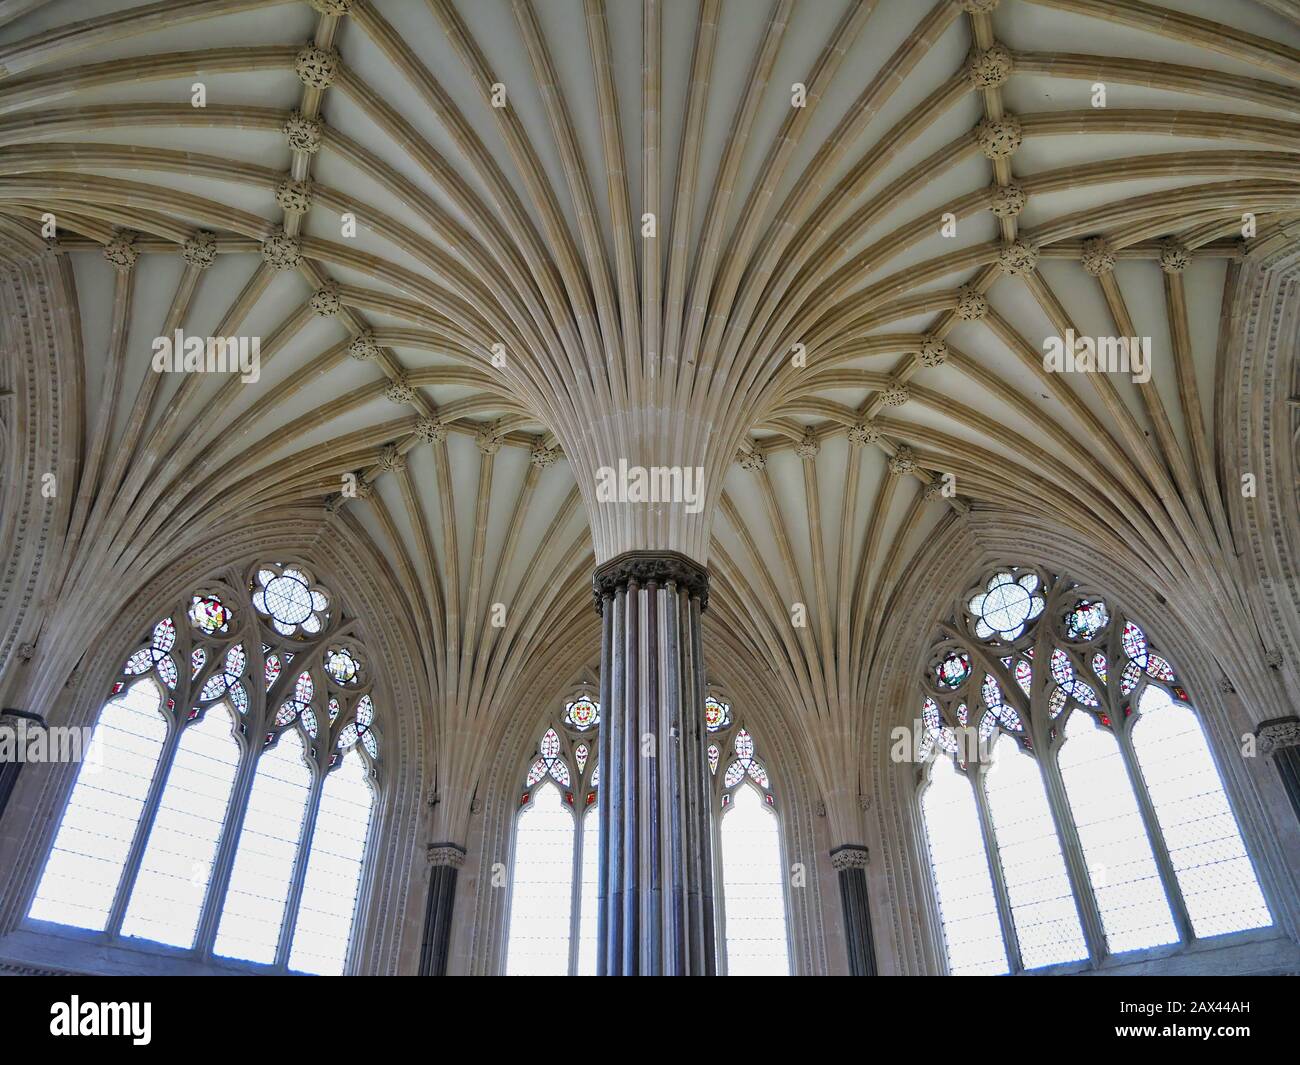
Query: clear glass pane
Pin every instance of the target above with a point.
(1038, 886)
(1121, 866)
(541, 899)
(587, 916)
(968, 908)
(268, 845)
(1215, 875)
(167, 899)
(99, 823)
(338, 848)
(753, 884)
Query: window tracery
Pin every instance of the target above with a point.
(1046, 795)
(163, 839)
(750, 893)
(553, 895)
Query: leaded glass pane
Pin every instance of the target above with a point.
(329, 893)
(967, 907)
(1214, 872)
(587, 923)
(542, 895)
(268, 847)
(170, 889)
(1121, 866)
(754, 888)
(1042, 903)
(99, 823)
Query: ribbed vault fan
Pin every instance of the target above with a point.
(812, 249)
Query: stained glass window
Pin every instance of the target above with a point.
(209, 615)
(954, 670)
(342, 665)
(552, 926)
(717, 715)
(745, 764)
(582, 714)
(291, 751)
(1085, 620)
(1092, 792)
(548, 762)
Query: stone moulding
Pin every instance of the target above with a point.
(849, 856)
(446, 854)
(650, 567)
(1277, 733)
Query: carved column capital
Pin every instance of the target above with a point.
(446, 854)
(849, 856)
(1277, 733)
(645, 567)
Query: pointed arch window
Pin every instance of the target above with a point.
(751, 903)
(552, 925)
(1071, 803)
(225, 809)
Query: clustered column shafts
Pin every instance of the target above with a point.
(445, 860)
(655, 860)
(850, 864)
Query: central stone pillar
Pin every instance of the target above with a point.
(656, 865)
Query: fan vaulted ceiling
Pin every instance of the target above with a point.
(812, 247)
